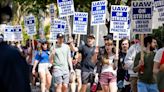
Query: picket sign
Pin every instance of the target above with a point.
(142, 18)
(159, 5)
(30, 25)
(98, 16)
(80, 23)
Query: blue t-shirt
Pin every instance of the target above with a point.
(42, 56)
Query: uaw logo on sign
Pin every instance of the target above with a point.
(18, 33)
(98, 13)
(80, 23)
(58, 26)
(159, 5)
(66, 7)
(142, 17)
(9, 33)
(119, 19)
(30, 24)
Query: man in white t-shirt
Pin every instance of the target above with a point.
(158, 69)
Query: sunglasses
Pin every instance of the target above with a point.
(44, 43)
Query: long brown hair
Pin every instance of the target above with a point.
(109, 42)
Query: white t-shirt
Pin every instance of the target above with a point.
(109, 68)
(158, 55)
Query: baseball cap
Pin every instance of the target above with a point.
(42, 41)
(60, 35)
(91, 36)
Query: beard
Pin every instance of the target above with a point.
(152, 48)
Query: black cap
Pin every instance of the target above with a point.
(107, 37)
(91, 36)
(60, 35)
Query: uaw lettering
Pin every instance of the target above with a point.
(80, 23)
(119, 13)
(142, 17)
(98, 13)
(119, 19)
(142, 9)
(159, 5)
(66, 7)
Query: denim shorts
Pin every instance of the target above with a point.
(144, 87)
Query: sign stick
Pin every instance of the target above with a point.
(69, 27)
(33, 46)
(78, 40)
(117, 45)
(97, 36)
(142, 46)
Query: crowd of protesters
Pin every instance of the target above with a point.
(64, 67)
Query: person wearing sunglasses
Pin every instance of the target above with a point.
(42, 57)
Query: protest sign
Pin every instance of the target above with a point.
(142, 17)
(80, 23)
(66, 7)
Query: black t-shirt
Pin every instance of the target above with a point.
(14, 71)
(86, 63)
(123, 74)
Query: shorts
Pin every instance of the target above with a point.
(87, 77)
(78, 73)
(43, 67)
(63, 79)
(106, 78)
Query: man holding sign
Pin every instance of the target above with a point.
(146, 81)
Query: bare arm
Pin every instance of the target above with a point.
(69, 59)
(35, 64)
(73, 48)
(156, 68)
